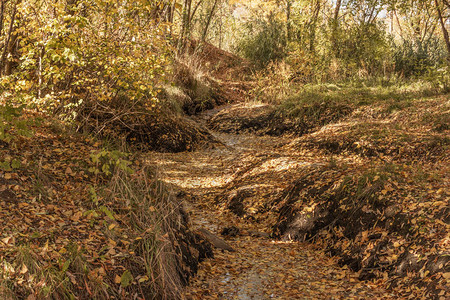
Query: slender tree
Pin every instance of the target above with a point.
(334, 25)
(444, 29)
(208, 22)
(9, 43)
(316, 6)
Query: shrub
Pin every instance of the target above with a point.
(416, 57)
(265, 41)
(362, 49)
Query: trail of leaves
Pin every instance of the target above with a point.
(261, 267)
(371, 190)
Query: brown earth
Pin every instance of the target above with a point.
(261, 267)
(370, 190)
(375, 199)
(69, 228)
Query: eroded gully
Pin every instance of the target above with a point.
(261, 267)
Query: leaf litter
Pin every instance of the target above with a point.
(382, 191)
(47, 204)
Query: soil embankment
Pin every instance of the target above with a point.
(374, 199)
(260, 267)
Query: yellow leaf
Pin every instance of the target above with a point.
(364, 236)
(69, 171)
(117, 279)
(112, 242)
(8, 240)
(24, 269)
(76, 217)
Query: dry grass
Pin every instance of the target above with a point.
(151, 215)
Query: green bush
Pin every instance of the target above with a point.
(362, 48)
(265, 41)
(416, 57)
(11, 123)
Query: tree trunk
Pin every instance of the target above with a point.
(191, 17)
(334, 26)
(288, 20)
(312, 32)
(10, 54)
(336, 12)
(213, 9)
(185, 25)
(220, 32)
(444, 29)
(40, 71)
(171, 12)
(391, 23)
(7, 47)
(2, 13)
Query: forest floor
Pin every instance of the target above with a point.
(335, 193)
(260, 267)
(239, 189)
(355, 208)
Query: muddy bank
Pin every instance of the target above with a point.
(366, 220)
(265, 119)
(372, 189)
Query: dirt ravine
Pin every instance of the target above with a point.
(261, 267)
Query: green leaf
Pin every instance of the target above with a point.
(95, 157)
(106, 169)
(15, 164)
(107, 212)
(66, 266)
(93, 194)
(126, 278)
(4, 165)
